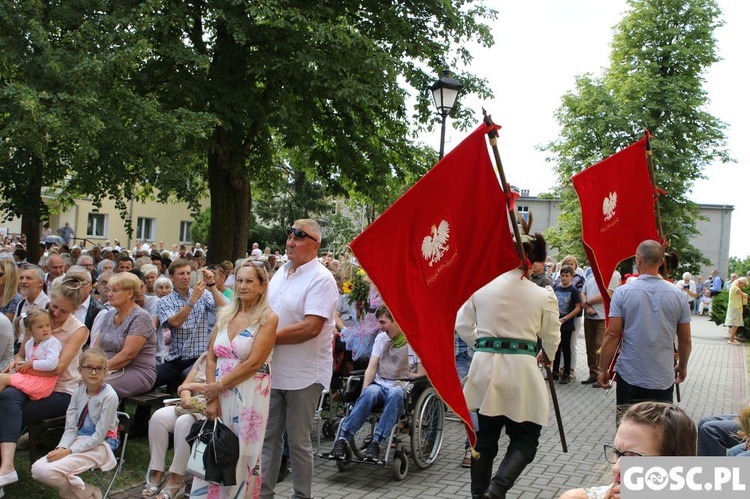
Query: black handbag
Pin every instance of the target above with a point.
(221, 451)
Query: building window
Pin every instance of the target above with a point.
(146, 229)
(185, 232)
(523, 211)
(96, 225)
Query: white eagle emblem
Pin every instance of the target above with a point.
(609, 205)
(435, 246)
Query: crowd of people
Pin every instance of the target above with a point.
(254, 343)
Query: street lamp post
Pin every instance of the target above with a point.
(445, 93)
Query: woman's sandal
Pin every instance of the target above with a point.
(153, 488)
(172, 491)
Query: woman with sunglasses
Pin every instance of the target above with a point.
(646, 429)
(16, 409)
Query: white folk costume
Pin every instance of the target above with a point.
(505, 385)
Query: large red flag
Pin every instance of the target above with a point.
(436, 245)
(617, 210)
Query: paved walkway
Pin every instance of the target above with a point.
(716, 383)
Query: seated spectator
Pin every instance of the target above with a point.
(90, 433)
(128, 336)
(175, 419)
(10, 298)
(704, 306)
(102, 288)
(162, 286)
(150, 273)
(646, 429)
(392, 361)
(105, 265)
(717, 434)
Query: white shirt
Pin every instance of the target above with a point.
(311, 290)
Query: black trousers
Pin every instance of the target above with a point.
(628, 395)
(173, 372)
(524, 437)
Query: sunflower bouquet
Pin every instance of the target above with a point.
(358, 291)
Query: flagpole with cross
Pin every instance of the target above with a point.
(492, 134)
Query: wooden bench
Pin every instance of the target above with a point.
(144, 404)
(36, 431)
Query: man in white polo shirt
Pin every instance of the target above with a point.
(303, 294)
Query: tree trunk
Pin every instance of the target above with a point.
(230, 204)
(228, 179)
(31, 211)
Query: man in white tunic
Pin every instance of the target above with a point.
(505, 385)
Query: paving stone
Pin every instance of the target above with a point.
(716, 384)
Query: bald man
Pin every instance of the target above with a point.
(647, 314)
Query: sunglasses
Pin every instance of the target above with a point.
(299, 234)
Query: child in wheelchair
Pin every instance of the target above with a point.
(391, 365)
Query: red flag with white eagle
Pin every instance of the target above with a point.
(617, 210)
(433, 248)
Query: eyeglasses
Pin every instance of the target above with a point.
(612, 454)
(299, 234)
(92, 369)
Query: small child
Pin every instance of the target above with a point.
(41, 352)
(90, 433)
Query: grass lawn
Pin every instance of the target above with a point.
(133, 471)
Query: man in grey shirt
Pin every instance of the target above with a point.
(647, 314)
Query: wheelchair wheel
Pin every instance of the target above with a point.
(427, 428)
(329, 427)
(399, 465)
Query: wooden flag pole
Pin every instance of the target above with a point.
(657, 213)
(492, 134)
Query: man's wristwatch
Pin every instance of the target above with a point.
(209, 284)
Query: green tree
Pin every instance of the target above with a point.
(323, 82)
(660, 52)
(71, 122)
(739, 266)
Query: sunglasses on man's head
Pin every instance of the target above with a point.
(299, 234)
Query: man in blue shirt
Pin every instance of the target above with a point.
(646, 315)
(716, 283)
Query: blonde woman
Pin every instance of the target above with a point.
(10, 298)
(127, 334)
(737, 301)
(238, 378)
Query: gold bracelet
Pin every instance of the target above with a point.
(221, 385)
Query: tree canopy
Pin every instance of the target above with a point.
(660, 52)
(116, 98)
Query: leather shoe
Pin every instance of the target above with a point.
(589, 381)
(8, 479)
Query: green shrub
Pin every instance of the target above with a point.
(719, 313)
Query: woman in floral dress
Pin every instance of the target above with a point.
(239, 380)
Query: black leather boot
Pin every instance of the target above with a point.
(510, 469)
(481, 472)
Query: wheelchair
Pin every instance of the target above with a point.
(421, 424)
